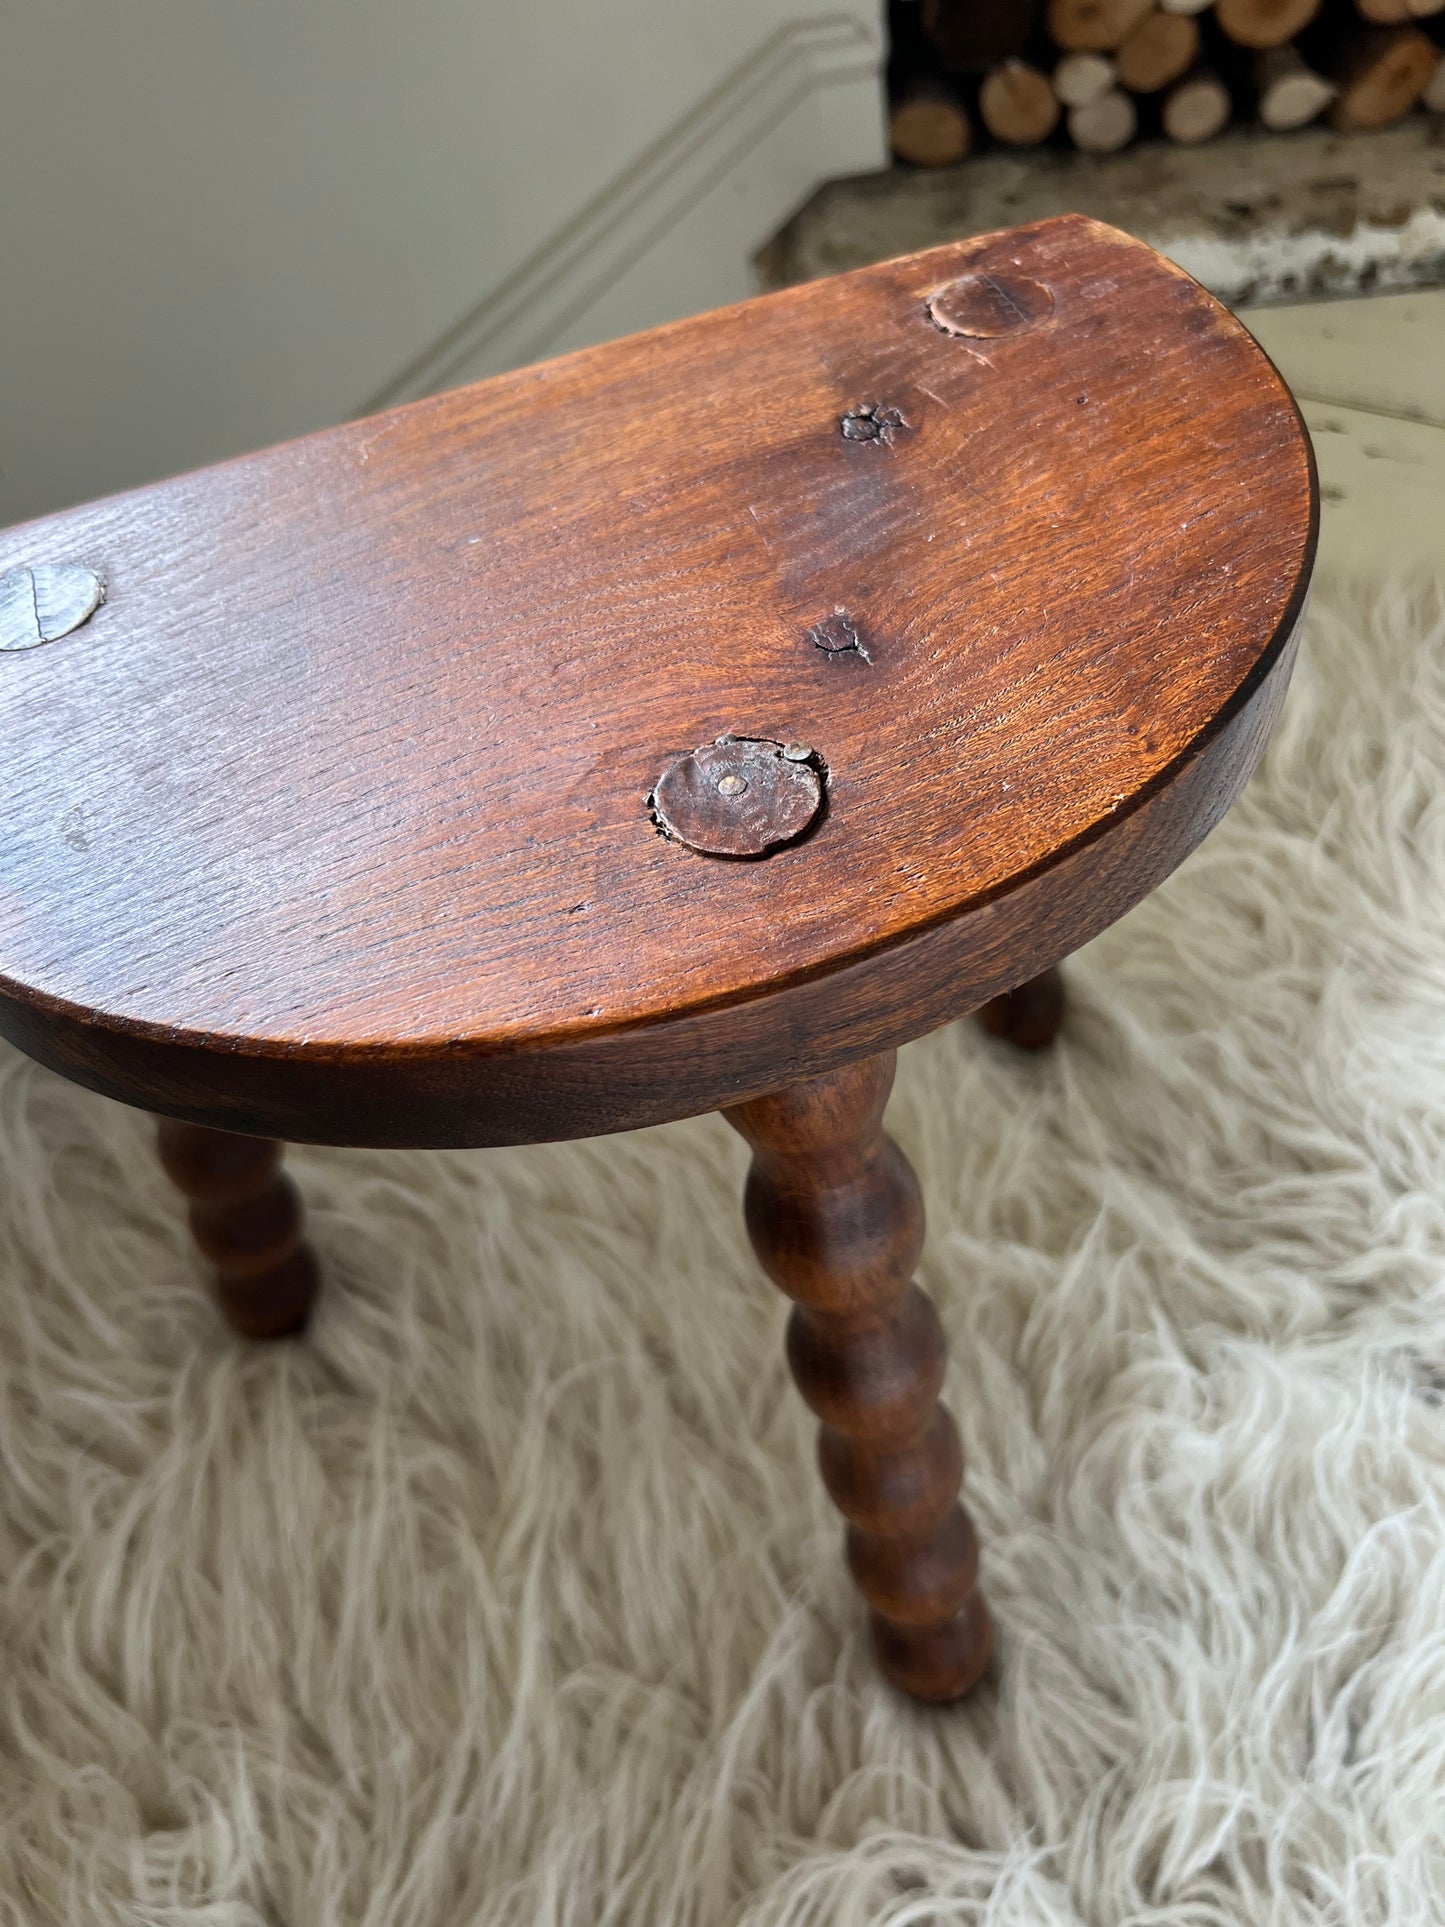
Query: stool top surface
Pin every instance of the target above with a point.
(360, 750)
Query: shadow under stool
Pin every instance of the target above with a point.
(678, 726)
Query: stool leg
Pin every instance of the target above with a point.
(246, 1217)
(835, 1216)
(1029, 1017)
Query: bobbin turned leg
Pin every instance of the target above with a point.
(246, 1218)
(1028, 1017)
(834, 1214)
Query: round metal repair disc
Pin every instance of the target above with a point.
(985, 305)
(44, 603)
(739, 797)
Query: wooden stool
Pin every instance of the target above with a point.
(678, 726)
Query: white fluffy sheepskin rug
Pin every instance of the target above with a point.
(510, 1594)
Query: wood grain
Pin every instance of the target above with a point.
(332, 822)
(835, 1216)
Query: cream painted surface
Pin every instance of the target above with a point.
(1382, 490)
(1385, 353)
(227, 224)
(1370, 378)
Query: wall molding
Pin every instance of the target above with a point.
(645, 205)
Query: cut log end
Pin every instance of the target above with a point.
(1080, 78)
(1105, 124)
(1163, 47)
(1017, 105)
(1264, 23)
(1094, 26)
(928, 127)
(1196, 109)
(1289, 93)
(1381, 77)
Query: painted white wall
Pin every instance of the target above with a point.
(225, 223)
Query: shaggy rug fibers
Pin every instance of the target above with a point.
(510, 1596)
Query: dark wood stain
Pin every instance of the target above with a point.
(1029, 1016)
(246, 1219)
(835, 1216)
(344, 823)
(364, 736)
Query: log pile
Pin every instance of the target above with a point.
(1095, 74)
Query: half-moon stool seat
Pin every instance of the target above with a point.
(680, 725)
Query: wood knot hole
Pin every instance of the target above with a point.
(871, 423)
(839, 635)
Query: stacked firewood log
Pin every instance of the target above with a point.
(1096, 73)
